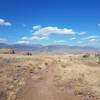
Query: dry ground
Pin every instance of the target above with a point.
(49, 77)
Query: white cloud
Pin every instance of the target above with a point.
(82, 33)
(27, 40)
(23, 42)
(53, 30)
(92, 38)
(73, 38)
(24, 38)
(43, 33)
(33, 38)
(38, 38)
(79, 42)
(3, 40)
(4, 23)
(37, 27)
(60, 41)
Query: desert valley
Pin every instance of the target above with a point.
(49, 49)
(49, 76)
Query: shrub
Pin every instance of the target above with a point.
(63, 66)
(87, 55)
(97, 55)
(99, 58)
(29, 53)
(12, 52)
(46, 63)
(3, 95)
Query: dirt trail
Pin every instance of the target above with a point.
(43, 87)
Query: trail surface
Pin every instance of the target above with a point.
(42, 87)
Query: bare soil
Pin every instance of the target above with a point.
(49, 77)
(42, 87)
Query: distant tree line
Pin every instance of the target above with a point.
(29, 53)
(12, 52)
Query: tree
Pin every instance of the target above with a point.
(12, 52)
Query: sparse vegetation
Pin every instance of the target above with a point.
(87, 55)
(12, 52)
(29, 53)
(99, 59)
(72, 72)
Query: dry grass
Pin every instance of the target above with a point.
(14, 70)
(4, 51)
(74, 72)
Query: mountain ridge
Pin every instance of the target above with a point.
(47, 48)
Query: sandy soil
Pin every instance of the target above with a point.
(43, 87)
(49, 77)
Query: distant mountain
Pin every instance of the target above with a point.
(21, 47)
(49, 48)
(69, 49)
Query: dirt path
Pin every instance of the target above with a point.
(42, 87)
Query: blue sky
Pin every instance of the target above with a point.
(70, 22)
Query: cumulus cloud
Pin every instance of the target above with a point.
(24, 38)
(4, 22)
(37, 27)
(33, 38)
(45, 31)
(38, 38)
(42, 33)
(60, 41)
(92, 38)
(28, 40)
(23, 42)
(73, 38)
(82, 33)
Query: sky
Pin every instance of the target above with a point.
(47, 22)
